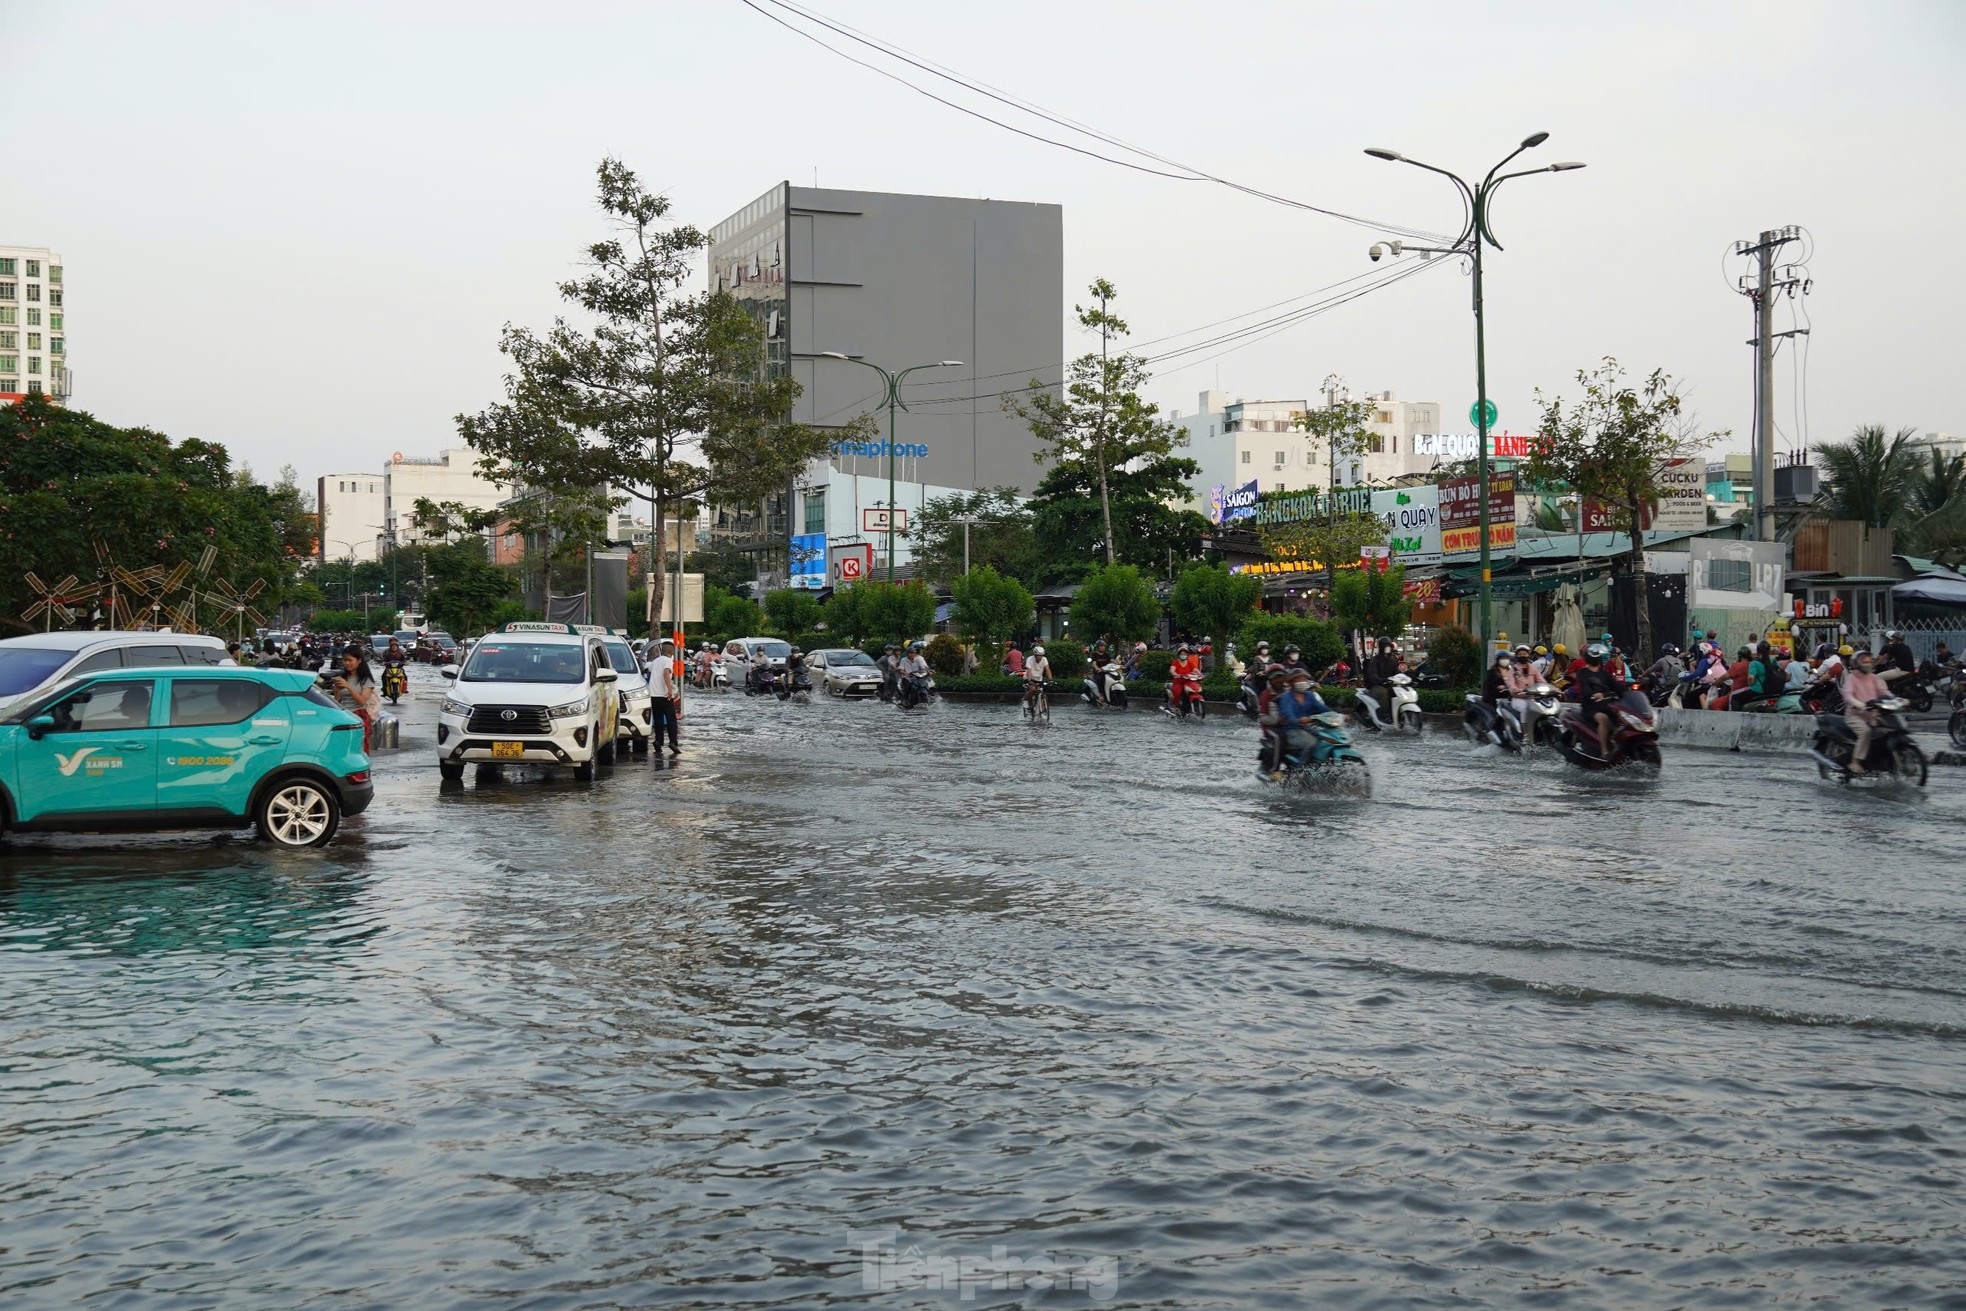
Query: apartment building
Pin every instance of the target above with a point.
(33, 324)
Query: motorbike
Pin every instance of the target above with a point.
(395, 681)
(1917, 690)
(762, 681)
(1331, 759)
(796, 686)
(1184, 695)
(1494, 724)
(1891, 750)
(1634, 734)
(1104, 686)
(1405, 713)
(1540, 727)
(1249, 696)
(915, 692)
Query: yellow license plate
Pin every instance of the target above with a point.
(512, 750)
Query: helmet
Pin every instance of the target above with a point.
(1278, 674)
(1139, 646)
(1560, 649)
(1522, 648)
(1845, 651)
(1385, 644)
(1037, 650)
(1292, 650)
(1542, 650)
(1606, 639)
(1262, 646)
(1594, 653)
(1669, 649)
(1864, 656)
(1502, 658)
(1893, 635)
(917, 646)
(1743, 654)
(1302, 680)
(795, 650)
(1181, 649)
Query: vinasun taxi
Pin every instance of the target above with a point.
(533, 693)
(183, 747)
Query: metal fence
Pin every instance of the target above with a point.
(1924, 635)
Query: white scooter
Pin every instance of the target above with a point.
(1113, 695)
(719, 680)
(1405, 717)
(1543, 725)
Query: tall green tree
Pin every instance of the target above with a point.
(1371, 601)
(1149, 532)
(1338, 426)
(1209, 599)
(667, 397)
(1099, 421)
(1609, 445)
(723, 565)
(791, 610)
(991, 606)
(1115, 601)
(1868, 477)
(881, 611)
(993, 523)
(1935, 508)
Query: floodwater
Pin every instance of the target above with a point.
(862, 1007)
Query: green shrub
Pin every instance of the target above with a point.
(1455, 655)
(1067, 658)
(1148, 689)
(1153, 664)
(1445, 700)
(945, 654)
(1221, 687)
(978, 682)
(1319, 640)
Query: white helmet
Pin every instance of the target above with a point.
(1037, 650)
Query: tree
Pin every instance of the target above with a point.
(1099, 421)
(1868, 478)
(1115, 601)
(668, 396)
(723, 565)
(726, 616)
(1609, 446)
(1209, 599)
(994, 524)
(1068, 522)
(1328, 543)
(881, 611)
(989, 605)
(791, 610)
(1371, 601)
(1340, 428)
(1936, 509)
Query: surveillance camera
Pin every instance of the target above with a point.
(1376, 252)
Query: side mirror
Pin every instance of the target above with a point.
(447, 671)
(605, 675)
(38, 725)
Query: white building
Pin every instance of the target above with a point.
(1238, 441)
(352, 516)
(33, 333)
(1395, 451)
(450, 475)
(1947, 446)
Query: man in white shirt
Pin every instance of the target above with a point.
(662, 698)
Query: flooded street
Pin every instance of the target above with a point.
(850, 998)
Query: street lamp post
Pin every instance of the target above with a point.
(1475, 233)
(892, 381)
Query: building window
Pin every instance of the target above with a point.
(34, 318)
(9, 363)
(55, 347)
(54, 321)
(815, 512)
(1245, 457)
(8, 314)
(1278, 487)
(34, 364)
(9, 339)
(34, 268)
(7, 291)
(54, 297)
(34, 341)
(34, 291)
(11, 386)
(1281, 455)
(7, 267)
(54, 273)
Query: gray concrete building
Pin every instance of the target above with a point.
(896, 280)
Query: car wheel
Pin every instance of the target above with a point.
(451, 770)
(298, 813)
(603, 753)
(640, 746)
(584, 772)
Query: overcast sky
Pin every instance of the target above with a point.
(297, 229)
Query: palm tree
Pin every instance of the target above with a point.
(1868, 479)
(1935, 508)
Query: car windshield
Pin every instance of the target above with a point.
(841, 659)
(496, 660)
(773, 650)
(621, 658)
(23, 668)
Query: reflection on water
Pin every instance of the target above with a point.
(850, 999)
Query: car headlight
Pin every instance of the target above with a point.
(637, 694)
(458, 708)
(572, 709)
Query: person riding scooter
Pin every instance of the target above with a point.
(1379, 671)
(1598, 694)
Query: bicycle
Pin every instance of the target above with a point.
(1037, 705)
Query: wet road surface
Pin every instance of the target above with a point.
(851, 998)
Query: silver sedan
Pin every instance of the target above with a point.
(845, 672)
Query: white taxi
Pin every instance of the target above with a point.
(637, 702)
(530, 694)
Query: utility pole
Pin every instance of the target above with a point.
(1762, 293)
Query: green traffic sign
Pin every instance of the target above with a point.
(1476, 411)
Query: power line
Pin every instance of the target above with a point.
(1188, 173)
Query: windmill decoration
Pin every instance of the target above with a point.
(134, 596)
(57, 602)
(184, 614)
(238, 606)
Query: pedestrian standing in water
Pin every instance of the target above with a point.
(355, 686)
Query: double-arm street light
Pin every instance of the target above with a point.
(1475, 233)
(893, 402)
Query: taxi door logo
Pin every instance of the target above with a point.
(69, 764)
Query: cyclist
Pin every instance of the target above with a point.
(1036, 674)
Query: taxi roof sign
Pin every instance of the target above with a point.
(535, 626)
(597, 630)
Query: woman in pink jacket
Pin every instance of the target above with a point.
(1862, 686)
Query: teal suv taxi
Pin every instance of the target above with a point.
(183, 747)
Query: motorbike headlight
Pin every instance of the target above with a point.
(572, 709)
(457, 708)
(1643, 725)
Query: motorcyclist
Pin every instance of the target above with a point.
(890, 663)
(1036, 673)
(1275, 684)
(1293, 660)
(1665, 671)
(1862, 688)
(797, 674)
(1556, 670)
(1184, 669)
(1895, 660)
(1598, 694)
(914, 668)
(1498, 685)
(1294, 710)
(1379, 671)
(1102, 681)
(1522, 681)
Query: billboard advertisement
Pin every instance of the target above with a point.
(1412, 516)
(1682, 504)
(1460, 513)
(1227, 504)
(808, 560)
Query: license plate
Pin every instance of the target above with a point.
(508, 750)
